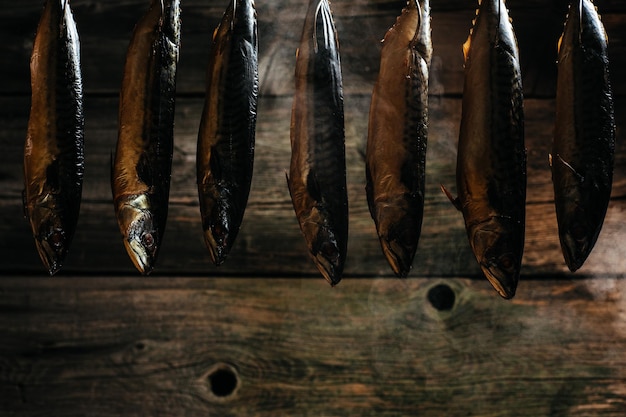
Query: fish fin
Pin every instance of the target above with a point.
(454, 200)
(581, 178)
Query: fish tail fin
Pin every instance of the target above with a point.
(454, 200)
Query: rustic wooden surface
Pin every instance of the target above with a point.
(99, 340)
(369, 347)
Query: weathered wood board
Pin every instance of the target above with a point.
(99, 340)
(373, 347)
(270, 241)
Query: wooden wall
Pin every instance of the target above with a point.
(99, 340)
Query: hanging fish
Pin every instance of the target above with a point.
(227, 130)
(317, 175)
(491, 160)
(53, 152)
(143, 158)
(584, 141)
(398, 133)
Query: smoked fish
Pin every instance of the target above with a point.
(491, 159)
(398, 134)
(141, 170)
(227, 129)
(584, 137)
(54, 148)
(317, 173)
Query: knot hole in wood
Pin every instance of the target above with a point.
(441, 297)
(223, 381)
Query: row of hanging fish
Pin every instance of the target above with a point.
(491, 159)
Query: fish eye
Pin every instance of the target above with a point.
(219, 232)
(408, 236)
(55, 238)
(329, 251)
(578, 232)
(506, 262)
(148, 240)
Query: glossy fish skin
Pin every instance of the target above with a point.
(397, 139)
(491, 160)
(54, 146)
(141, 170)
(584, 143)
(317, 174)
(227, 131)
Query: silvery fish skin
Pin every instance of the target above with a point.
(53, 151)
(491, 160)
(397, 139)
(227, 131)
(317, 174)
(141, 170)
(584, 143)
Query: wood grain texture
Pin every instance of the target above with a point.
(270, 240)
(99, 340)
(377, 347)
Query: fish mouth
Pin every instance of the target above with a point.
(139, 255)
(329, 268)
(499, 255)
(51, 256)
(503, 282)
(217, 252)
(398, 256)
(576, 247)
(52, 248)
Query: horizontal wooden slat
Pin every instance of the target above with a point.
(105, 28)
(376, 347)
(270, 241)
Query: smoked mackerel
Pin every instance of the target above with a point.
(491, 159)
(54, 146)
(227, 131)
(317, 173)
(582, 156)
(142, 164)
(398, 134)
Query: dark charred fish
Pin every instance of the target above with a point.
(584, 141)
(143, 159)
(491, 160)
(227, 130)
(53, 152)
(317, 175)
(398, 133)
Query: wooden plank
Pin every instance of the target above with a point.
(270, 241)
(374, 347)
(105, 28)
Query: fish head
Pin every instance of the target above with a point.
(399, 233)
(326, 253)
(51, 238)
(578, 232)
(324, 245)
(219, 229)
(141, 236)
(498, 249)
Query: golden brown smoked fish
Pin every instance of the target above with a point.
(398, 131)
(584, 142)
(491, 160)
(143, 158)
(227, 130)
(53, 152)
(317, 175)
